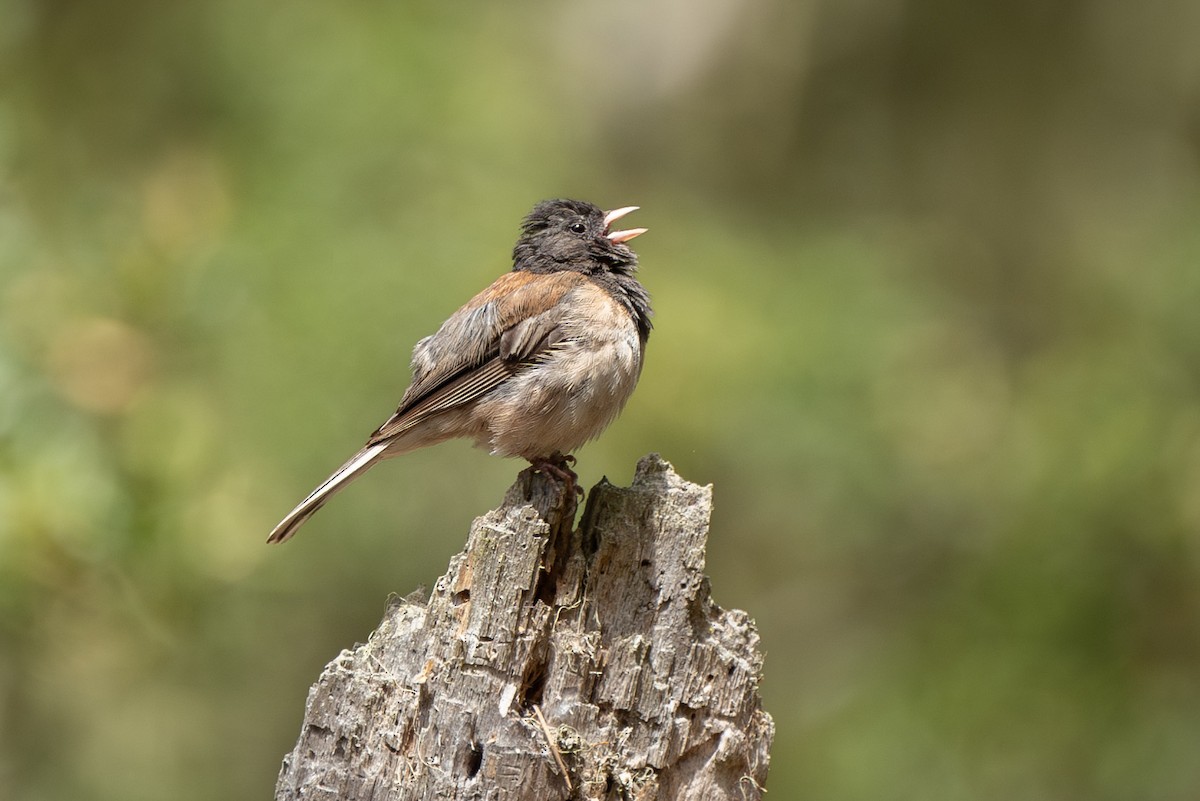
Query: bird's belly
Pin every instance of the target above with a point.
(564, 400)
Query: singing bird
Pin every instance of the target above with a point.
(535, 365)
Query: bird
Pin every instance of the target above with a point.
(534, 366)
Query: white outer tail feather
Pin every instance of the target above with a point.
(352, 469)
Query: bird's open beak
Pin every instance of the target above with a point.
(621, 236)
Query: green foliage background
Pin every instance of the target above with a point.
(926, 276)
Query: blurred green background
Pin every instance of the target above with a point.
(926, 278)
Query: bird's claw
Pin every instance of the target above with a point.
(559, 466)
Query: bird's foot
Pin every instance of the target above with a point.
(558, 466)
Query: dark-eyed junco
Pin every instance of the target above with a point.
(535, 365)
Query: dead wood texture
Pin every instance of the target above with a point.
(551, 662)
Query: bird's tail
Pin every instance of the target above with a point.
(351, 470)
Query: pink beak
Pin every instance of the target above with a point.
(621, 236)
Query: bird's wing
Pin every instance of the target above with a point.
(481, 345)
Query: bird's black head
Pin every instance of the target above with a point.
(574, 235)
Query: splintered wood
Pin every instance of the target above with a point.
(551, 662)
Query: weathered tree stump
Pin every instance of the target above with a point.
(551, 662)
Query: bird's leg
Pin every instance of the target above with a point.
(558, 466)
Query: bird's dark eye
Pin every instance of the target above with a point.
(578, 227)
